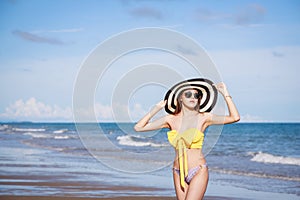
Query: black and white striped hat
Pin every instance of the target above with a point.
(208, 100)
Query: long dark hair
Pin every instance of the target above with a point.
(179, 103)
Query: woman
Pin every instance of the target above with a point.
(189, 103)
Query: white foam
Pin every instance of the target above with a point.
(29, 129)
(36, 135)
(128, 140)
(61, 137)
(269, 158)
(3, 127)
(60, 131)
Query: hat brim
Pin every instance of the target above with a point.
(208, 100)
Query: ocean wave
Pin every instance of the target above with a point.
(3, 127)
(252, 174)
(49, 136)
(60, 131)
(28, 129)
(37, 135)
(269, 158)
(128, 140)
(62, 137)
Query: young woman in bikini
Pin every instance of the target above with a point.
(187, 123)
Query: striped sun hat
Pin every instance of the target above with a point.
(209, 98)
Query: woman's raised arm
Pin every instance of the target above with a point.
(233, 116)
(145, 125)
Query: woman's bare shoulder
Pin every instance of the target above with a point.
(207, 115)
(171, 119)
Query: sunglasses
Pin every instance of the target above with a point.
(189, 95)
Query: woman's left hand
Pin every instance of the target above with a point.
(221, 87)
(233, 112)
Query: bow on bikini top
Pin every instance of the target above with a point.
(192, 139)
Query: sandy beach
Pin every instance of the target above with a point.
(69, 190)
(123, 198)
(85, 190)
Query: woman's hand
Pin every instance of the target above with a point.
(145, 125)
(233, 112)
(221, 87)
(161, 104)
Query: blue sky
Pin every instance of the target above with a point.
(254, 44)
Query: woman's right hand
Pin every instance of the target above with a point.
(161, 104)
(145, 125)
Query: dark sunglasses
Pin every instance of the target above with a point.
(189, 95)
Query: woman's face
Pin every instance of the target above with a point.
(189, 98)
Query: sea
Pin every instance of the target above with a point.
(253, 156)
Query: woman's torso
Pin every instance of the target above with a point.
(179, 124)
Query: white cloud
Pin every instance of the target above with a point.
(33, 110)
(252, 118)
(103, 111)
(119, 112)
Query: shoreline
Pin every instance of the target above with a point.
(111, 198)
(41, 188)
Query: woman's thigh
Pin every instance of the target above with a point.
(180, 192)
(198, 185)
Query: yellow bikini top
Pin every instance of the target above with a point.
(192, 139)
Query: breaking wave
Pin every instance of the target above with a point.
(136, 141)
(269, 158)
(28, 129)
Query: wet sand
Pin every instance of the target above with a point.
(114, 198)
(72, 190)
